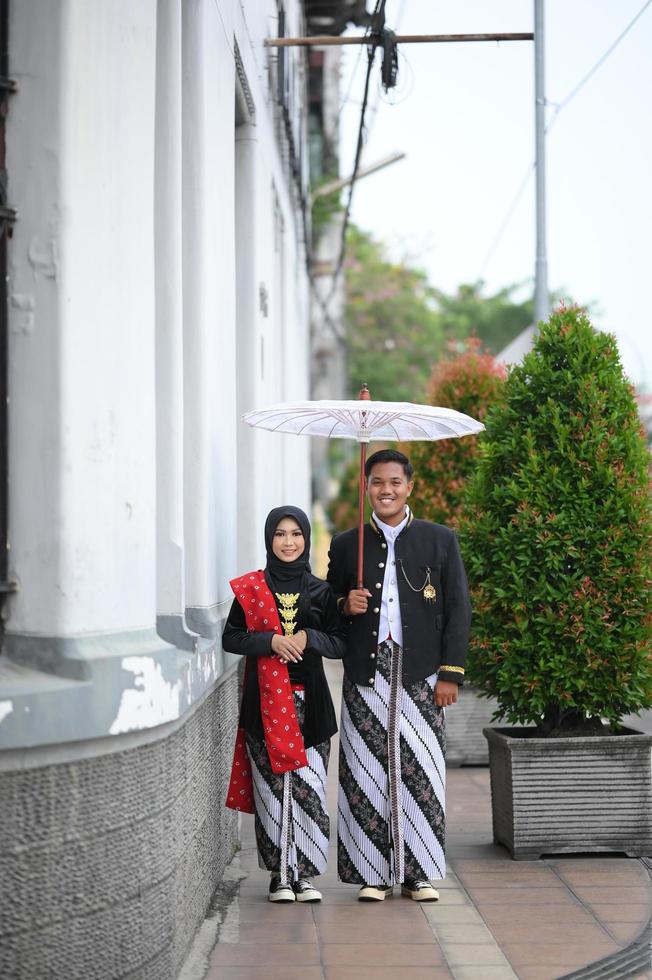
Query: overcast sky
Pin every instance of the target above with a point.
(464, 114)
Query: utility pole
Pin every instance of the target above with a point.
(541, 295)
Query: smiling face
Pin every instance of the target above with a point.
(388, 490)
(288, 542)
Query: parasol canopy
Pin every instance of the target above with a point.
(364, 420)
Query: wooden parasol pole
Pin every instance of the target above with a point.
(363, 396)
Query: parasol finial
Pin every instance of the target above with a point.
(364, 393)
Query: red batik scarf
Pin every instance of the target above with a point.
(280, 723)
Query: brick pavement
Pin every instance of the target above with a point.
(497, 919)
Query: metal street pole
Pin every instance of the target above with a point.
(541, 295)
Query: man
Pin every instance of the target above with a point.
(407, 638)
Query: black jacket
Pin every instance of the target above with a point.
(326, 634)
(435, 634)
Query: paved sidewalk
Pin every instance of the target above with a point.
(497, 919)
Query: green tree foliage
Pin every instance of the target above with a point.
(393, 330)
(496, 320)
(398, 325)
(557, 536)
(470, 382)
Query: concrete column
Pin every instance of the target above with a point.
(296, 342)
(82, 497)
(209, 313)
(250, 353)
(275, 375)
(168, 227)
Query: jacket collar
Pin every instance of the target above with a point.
(378, 530)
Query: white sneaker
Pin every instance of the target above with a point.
(375, 893)
(420, 891)
(305, 891)
(279, 892)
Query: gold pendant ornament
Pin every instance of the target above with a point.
(429, 593)
(288, 611)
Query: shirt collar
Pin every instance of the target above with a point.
(390, 531)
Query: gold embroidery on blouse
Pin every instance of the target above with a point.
(288, 611)
(452, 670)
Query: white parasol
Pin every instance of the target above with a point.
(364, 420)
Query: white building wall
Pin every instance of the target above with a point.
(136, 491)
(209, 304)
(82, 460)
(168, 236)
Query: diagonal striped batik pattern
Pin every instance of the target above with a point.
(291, 818)
(391, 822)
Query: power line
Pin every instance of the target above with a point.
(374, 33)
(598, 64)
(347, 98)
(507, 219)
(324, 302)
(356, 164)
(558, 108)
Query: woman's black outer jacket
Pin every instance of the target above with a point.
(326, 638)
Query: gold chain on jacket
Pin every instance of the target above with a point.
(288, 611)
(427, 589)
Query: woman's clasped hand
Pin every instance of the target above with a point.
(289, 649)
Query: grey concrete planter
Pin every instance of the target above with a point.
(568, 795)
(465, 722)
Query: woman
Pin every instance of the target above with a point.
(284, 620)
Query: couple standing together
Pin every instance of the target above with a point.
(403, 642)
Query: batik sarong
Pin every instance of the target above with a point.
(392, 778)
(291, 818)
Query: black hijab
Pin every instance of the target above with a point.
(287, 576)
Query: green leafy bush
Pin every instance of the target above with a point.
(470, 381)
(556, 535)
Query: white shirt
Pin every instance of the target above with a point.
(390, 607)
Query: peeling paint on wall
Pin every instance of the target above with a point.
(25, 304)
(6, 707)
(208, 664)
(44, 258)
(153, 702)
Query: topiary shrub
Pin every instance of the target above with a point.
(470, 381)
(556, 536)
